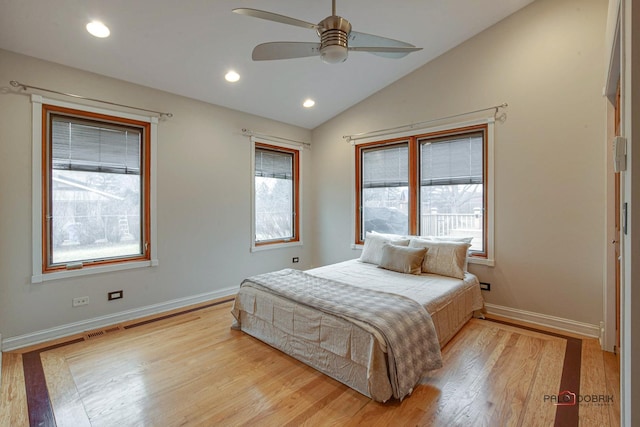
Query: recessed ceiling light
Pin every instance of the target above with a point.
(232, 76)
(308, 103)
(98, 29)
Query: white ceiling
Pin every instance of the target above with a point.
(186, 46)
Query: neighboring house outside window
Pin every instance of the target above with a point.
(432, 184)
(276, 195)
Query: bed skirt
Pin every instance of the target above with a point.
(332, 345)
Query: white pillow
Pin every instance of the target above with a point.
(389, 236)
(448, 239)
(402, 259)
(373, 244)
(443, 258)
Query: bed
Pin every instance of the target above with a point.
(345, 338)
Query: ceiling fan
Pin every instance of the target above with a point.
(336, 40)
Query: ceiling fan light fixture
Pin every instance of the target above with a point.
(334, 54)
(334, 39)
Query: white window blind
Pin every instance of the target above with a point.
(385, 167)
(82, 146)
(273, 164)
(452, 161)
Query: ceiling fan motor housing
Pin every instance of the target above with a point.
(334, 35)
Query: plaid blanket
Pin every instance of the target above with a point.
(406, 326)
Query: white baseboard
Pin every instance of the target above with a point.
(545, 320)
(13, 343)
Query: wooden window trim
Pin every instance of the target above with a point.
(414, 179)
(360, 149)
(46, 172)
(296, 195)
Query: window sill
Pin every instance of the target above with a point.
(481, 261)
(64, 274)
(275, 246)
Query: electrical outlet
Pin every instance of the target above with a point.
(485, 286)
(115, 295)
(77, 302)
(295, 259)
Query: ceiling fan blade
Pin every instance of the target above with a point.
(387, 52)
(357, 39)
(284, 50)
(270, 16)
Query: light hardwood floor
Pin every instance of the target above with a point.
(192, 369)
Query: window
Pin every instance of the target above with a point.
(95, 206)
(385, 188)
(276, 194)
(432, 184)
(92, 168)
(452, 187)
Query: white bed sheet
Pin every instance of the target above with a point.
(432, 291)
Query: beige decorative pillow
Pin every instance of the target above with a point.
(402, 259)
(373, 243)
(443, 258)
(451, 239)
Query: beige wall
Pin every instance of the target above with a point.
(545, 61)
(203, 203)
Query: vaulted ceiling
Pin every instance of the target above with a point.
(187, 46)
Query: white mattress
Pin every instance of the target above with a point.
(430, 290)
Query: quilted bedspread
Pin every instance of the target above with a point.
(405, 326)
